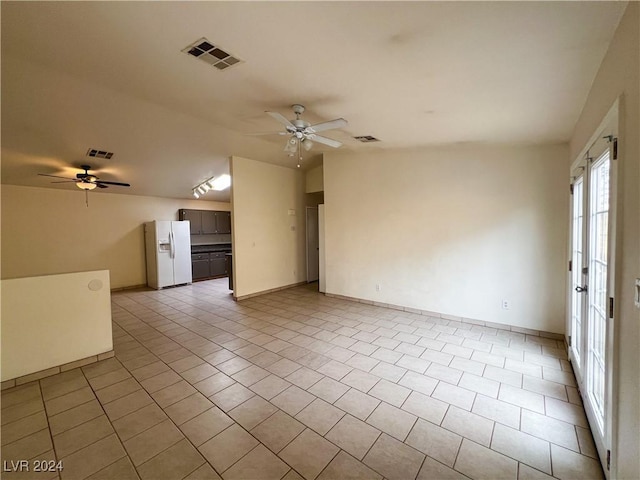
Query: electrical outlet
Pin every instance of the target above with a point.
(377, 287)
(506, 304)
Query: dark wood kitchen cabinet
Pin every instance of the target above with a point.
(206, 222)
(195, 220)
(217, 264)
(200, 265)
(223, 222)
(208, 265)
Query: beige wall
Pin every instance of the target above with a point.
(314, 180)
(619, 76)
(53, 320)
(47, 231)
(451, 230)
(268, 226)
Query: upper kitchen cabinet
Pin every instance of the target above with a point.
(195, 220)
(223, 222)
(206, 222)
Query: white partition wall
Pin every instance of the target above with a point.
(268, 227)
(53, 320)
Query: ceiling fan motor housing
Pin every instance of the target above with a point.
(300, 124)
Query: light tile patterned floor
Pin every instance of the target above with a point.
(294, 385)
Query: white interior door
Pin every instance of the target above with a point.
(591, 280)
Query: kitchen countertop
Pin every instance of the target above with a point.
(216, 247)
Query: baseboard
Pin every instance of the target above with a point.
(14, 382)
(132, 287)
(264, 292)
(444, 316)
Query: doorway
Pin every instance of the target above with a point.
(591, 281)
(313, 259)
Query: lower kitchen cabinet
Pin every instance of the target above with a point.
(217, 264)
(200, 265)
(208, 265)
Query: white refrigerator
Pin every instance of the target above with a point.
(168, 246)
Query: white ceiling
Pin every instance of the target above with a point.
(112, 76)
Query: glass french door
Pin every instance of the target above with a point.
(577, 282)
(598, 283)
(591, 293)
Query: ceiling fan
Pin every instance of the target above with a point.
(302, 134)
(86, 181)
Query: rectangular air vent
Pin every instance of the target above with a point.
(92, 152)
(366, 138)
(204, 50)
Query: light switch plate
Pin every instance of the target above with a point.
(637, 293)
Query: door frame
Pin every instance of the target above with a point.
(312, 244)
(604, 444)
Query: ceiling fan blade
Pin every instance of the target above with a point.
(99, 185)
(278, 117)
(65, 181)
(120, 184)
(321, 127)
(56, 176)
(268, 133)
(325, 140)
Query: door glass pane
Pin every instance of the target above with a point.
(576, 268)
(598, 249)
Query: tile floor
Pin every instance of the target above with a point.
(294, 385)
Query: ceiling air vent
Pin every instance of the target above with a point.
(204, 50)
(92, 152)
(366, 138)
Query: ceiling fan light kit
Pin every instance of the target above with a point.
(302, 134)
(86, 181)
(86, 185)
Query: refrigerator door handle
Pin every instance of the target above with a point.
(173, 244)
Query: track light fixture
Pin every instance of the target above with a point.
(214, 183)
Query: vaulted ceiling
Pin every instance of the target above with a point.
(114, 76)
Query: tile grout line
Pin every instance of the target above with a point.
(167, 418)
(189, 440)
(260, 443)
(110, 423)
(269, 323)
(46, 415)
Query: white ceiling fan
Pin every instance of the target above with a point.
(302, 134)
